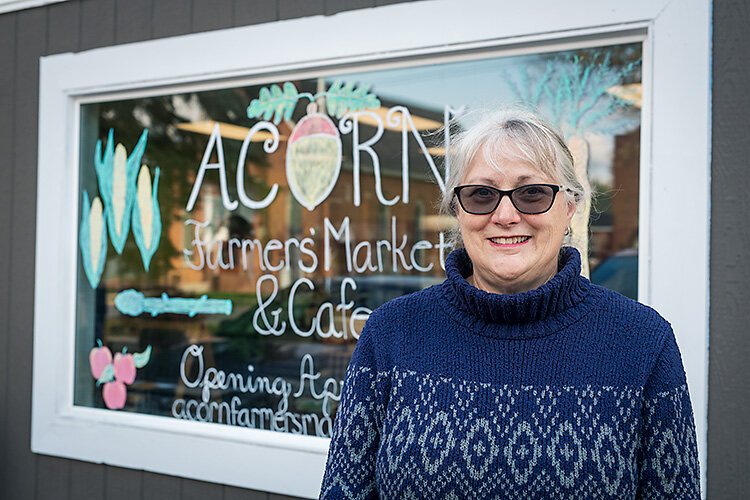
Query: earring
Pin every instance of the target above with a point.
(567, 231)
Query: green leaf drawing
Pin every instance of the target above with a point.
(342, 98)
(108, 375)
(141, 359)
(274, 102)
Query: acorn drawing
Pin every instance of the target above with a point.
(313, 154)
(313, 158)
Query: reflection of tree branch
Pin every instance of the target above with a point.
(518, 90)
(573, 91)
(542, 83)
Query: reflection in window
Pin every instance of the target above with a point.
(318, 232)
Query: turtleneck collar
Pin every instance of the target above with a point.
(535, 313)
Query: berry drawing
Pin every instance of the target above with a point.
(116, 373)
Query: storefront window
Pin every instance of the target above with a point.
(234, 241)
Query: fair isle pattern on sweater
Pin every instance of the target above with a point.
(554, 452)
(452, 429)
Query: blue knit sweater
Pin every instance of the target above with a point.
(566, 391)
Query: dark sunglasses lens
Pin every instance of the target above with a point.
(478, 199)
(534, 199)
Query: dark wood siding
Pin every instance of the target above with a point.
(30, 42)
(7, 112)
(728, 394)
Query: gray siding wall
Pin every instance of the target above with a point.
(85, 24)
(25, 36)
(729, 351)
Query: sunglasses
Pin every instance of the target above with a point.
(531, 199)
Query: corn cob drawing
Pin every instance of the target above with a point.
(93, 239)
(146, 215)
(116, 172)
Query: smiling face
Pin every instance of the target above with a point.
(512, 252)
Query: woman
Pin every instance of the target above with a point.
(516, 377)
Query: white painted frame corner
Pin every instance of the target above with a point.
(675, 145)
(13, 5)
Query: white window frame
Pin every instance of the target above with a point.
(674, 193)
(12, 5)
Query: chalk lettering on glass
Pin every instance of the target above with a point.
(327, 314)
(213, 142)
(290, 307)
(267, 328)
(449, 116)
(349, 124)
(361, 257)
(331, 388)
(217, 385)
(133, 303)
(269, 146)
(207, 252)
(400, 116)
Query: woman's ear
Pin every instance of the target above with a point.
(572, 207)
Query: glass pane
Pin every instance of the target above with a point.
(234, 241)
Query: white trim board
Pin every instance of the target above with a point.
(12, 5)
(675, 145)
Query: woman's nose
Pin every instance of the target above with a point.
(505, 213)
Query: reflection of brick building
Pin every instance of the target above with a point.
(614, 223)
(626, 170)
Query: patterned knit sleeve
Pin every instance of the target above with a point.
(350, 470)
(668, 458)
